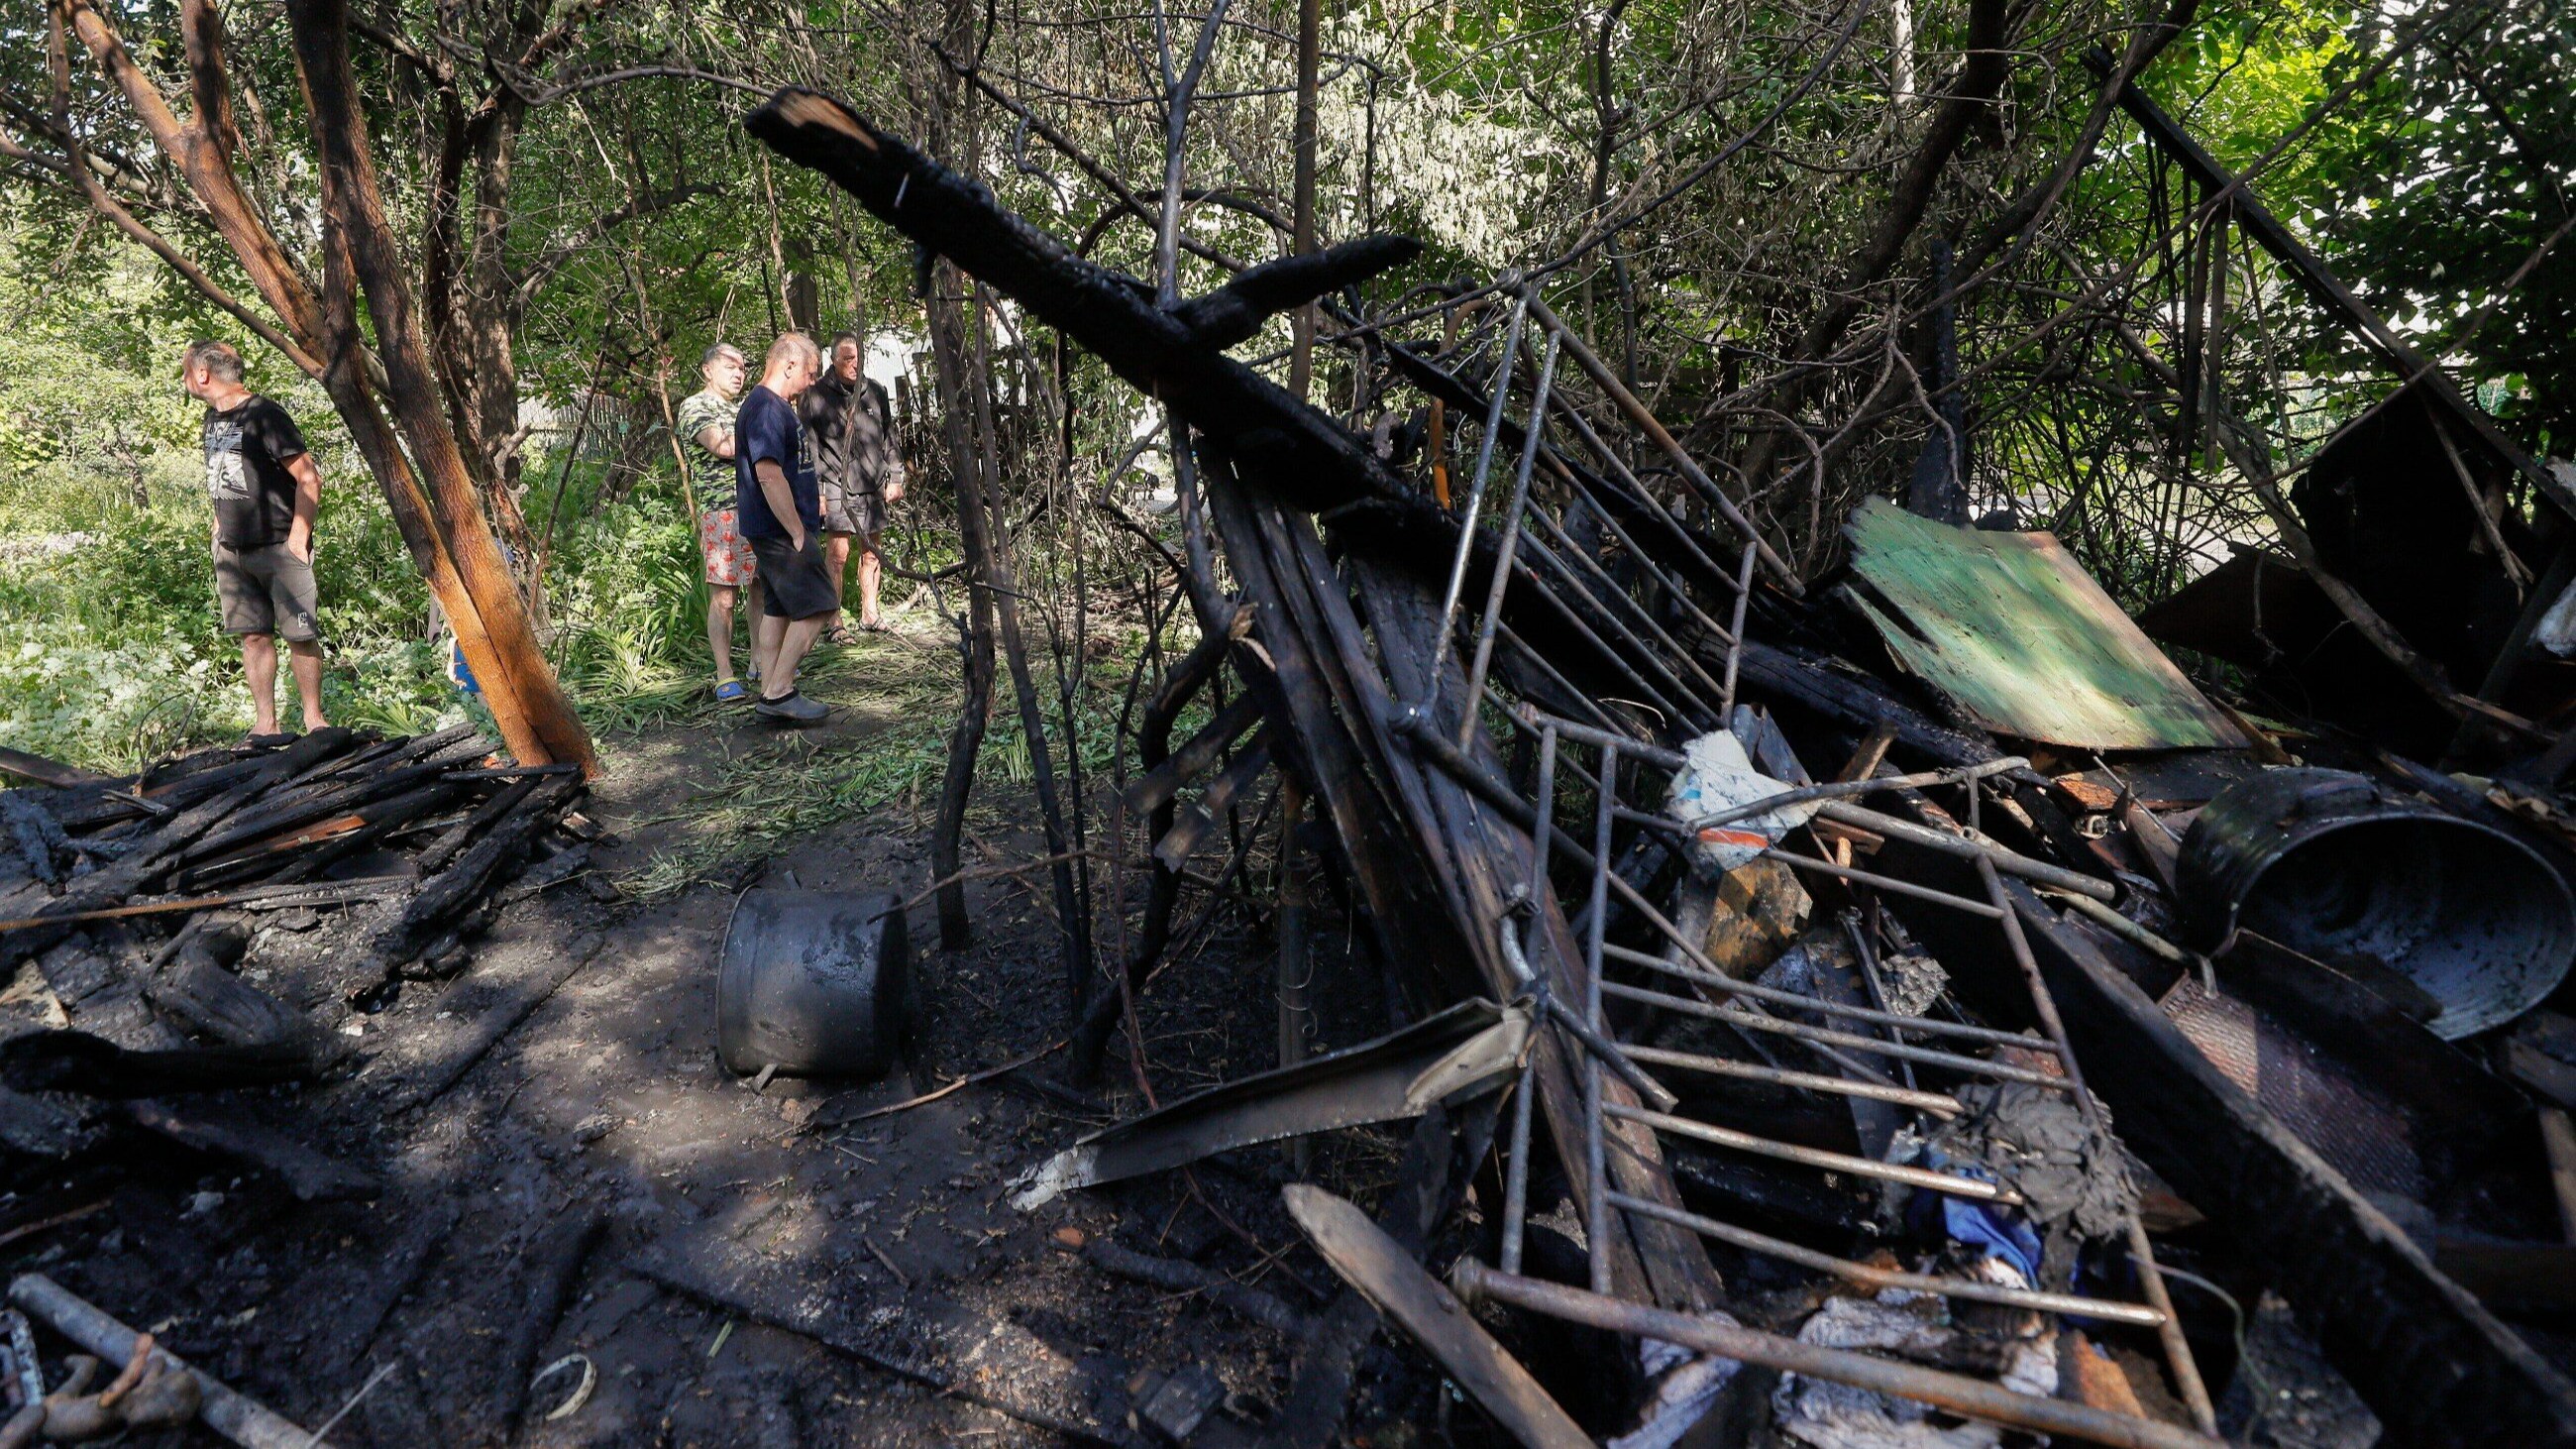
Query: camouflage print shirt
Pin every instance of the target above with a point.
(710, 475)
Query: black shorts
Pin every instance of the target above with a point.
(794, 582)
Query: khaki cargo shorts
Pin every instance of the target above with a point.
(266, 590)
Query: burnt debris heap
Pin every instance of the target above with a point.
(1720, 906)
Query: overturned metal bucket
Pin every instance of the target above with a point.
(813, 983)
(2364, 877)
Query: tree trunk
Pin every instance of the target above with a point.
(356, 236)
(976, 628)
(999, 566)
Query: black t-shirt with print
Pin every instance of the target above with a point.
(247, 450)
(766, 431)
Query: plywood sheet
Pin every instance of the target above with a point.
(2010, 627)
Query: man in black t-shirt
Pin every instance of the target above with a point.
(781, 510)
(266, 493)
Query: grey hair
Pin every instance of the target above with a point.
(221, 360)
(719, 352)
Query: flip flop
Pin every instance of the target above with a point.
(732, 691)
(267, 742)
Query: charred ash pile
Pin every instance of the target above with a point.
(1895, 1005)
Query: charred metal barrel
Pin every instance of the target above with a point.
(2364, 877)
(813, 983)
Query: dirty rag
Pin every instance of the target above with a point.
(1717, 776)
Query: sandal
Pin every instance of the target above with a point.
(732, 691)
(841, 636)
(267, 742)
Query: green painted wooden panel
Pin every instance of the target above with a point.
(2023, 639)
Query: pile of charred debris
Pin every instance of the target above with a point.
(134, 898)
(1895, 1006)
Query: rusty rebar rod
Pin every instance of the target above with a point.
(1932, 1102)
(1777, 997)
(1739, 1017)
(1924, 1179)
(1871, 1276)
(1974, 1398)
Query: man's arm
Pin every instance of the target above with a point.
(716, 440)
(780, 498)
(308, 505)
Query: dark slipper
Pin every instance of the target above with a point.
(267, 742)
(793, 708)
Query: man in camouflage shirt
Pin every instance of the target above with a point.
(706, 434)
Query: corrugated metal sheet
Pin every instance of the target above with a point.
(2022, 638)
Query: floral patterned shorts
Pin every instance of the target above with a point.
(729, 560)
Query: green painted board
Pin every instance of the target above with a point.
(2011, 628)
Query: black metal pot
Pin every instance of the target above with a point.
(813, 983)
(2363, 876)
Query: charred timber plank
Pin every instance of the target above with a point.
(446, 846)
(1307, 457)
(152, 853)
(462, 884)
(554, 1266)
(39, 770)
(1234, 312)
(370, 1284)
(1196, 756)
(2439, 1369)
(225, 1132)
(1181, 841)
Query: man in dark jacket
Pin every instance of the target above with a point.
(859, 470)
(266, 494)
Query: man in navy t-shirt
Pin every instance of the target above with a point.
(781, 510)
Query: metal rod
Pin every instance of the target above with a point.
(1530, 716)
(1516, 1181)
(1958, 1393)
(1870, 1276)
(2178, 1355)
(1610, 1053)
(1885, 883)
(1797, 1002)
(1562, 548)
(1531, 441)
(1596, 1217)
(1932, 1102)
(1738, 1016)
(1636, 488)
(2010, 862)
(1653, 428)
(1475, 504)
(1637, 552)
(1840, 789)
(1974, 1189)
(1613, 1056)
(1865, 951)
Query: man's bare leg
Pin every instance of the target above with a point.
(836, 562)
(763, 643)
(766, 632)
(304, 658)
(795, 637)
(259, 666)
(720, 599)
(871, 574)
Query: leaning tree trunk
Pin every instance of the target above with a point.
(354, 217)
